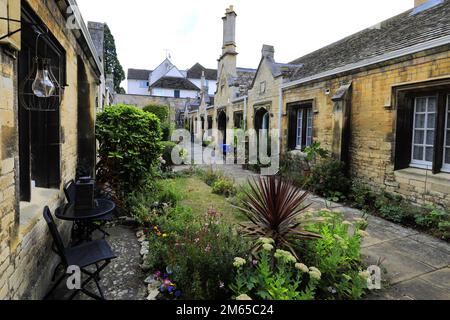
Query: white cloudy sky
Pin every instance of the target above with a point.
(192, 29)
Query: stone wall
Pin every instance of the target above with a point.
(176, 105)
(373, 123)
(26, 259)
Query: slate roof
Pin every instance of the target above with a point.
(175, 83)
(196, 72)
(400, 32)
(138, 74)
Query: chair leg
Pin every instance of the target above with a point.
(55, 286)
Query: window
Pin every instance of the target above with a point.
(144, 84)
(300, 126)
(210, 122)
(424, 128)
(176, 93)
(262, 87)
(39, 132)
(239, 120)
(446, 166)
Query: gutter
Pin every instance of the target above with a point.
(371, 61)
(86, 35)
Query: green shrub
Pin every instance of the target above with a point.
(162, 112)
(292, 168)
(224, 187)
(210, 176)
(272, 274)
(168, 146)
(431, 217)
(338, 256)
(197, 251)
(328, 179)
(362, 196)
(129, 147)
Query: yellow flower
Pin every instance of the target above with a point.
(302, 267)
(285, 255)
(268, 247)
(243, 297)
(164, 235)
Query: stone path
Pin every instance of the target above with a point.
(417, 266)
(123, 279)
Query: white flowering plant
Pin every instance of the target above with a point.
(338, 256)
(274, 274)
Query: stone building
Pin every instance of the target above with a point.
(378, 100)
(40, 151)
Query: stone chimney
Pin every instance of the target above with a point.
(419, 2)
(268, 51)
(229, 31)
(97, 31)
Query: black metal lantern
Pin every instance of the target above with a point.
(40, 91)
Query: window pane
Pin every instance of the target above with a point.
(421, 104)
(299, 128)
(432, 104)
(447, 155)
(431, 122)
(448, 138)
(430, 137)
(419, 136)
(420, 121)
(429, 154)
(418, 153)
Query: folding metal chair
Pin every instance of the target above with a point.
(88, 254)
(98, 224)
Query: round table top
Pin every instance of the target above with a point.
(102, 208)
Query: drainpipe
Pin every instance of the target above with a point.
(245, 113)
(280, 116)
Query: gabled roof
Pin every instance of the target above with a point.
(196, 72)
(243, 80)
(410, 28)
(277, 69)
(138, 74)
(174, 83)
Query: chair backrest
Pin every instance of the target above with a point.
(57, 240)
(70, 191)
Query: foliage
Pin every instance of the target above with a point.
(314, 152)
(199, 251)
(362, 196)
(224, 187)
(274, 275)
(433, 218)
(293, 167)
(167, 146)
(162, 112)
(129, 148)
(210, 176)
(273, 207)
(328, 179)
(394, 208)
(111, 61)
(337, 255)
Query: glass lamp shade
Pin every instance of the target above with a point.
(42, 86)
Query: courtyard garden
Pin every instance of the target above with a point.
(204, 236)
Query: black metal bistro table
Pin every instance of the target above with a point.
(84, 218)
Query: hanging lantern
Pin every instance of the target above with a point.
(40, 91)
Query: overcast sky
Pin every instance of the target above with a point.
(192, 29)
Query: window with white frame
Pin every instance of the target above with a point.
(446, 162)
(425, 110)
(304, 128)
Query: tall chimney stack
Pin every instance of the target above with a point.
(419, 2)
(229, 30)
(268, 51)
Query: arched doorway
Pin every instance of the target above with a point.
(262, 122)
(222, 125)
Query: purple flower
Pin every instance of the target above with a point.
(221, 285)
(255, 262)
(177, 293)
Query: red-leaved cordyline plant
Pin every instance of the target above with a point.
(274, 207)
